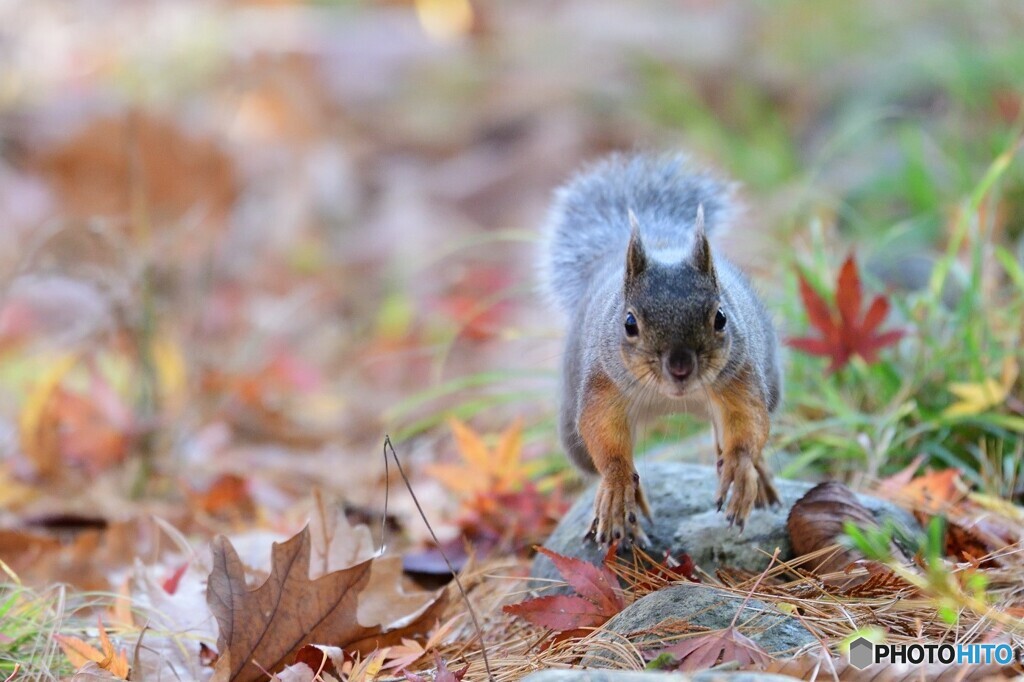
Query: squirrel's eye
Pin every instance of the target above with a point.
(719, 320)
(632, 329)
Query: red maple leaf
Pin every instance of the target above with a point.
(708, 650)
(844, 331)
(596, 600)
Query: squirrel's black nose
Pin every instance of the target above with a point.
(680, 363)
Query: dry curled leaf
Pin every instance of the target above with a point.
(816, 523)
(361, 607)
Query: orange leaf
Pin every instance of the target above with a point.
(933, 491)
(483, 471)
(80, 654)
(471, 446)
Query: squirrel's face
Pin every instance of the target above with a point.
(675, 331)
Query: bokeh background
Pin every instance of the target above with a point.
(241, 241)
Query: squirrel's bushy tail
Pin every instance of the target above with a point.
(588, 225)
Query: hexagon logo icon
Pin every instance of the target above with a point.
(861, 653)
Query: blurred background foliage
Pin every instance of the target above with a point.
(241, 240)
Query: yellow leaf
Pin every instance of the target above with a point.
(38, 436)
(367, 670)
(981, 396)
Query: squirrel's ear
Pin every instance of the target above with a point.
(701, 249)
(636, 257)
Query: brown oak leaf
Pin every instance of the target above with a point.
(361, 607)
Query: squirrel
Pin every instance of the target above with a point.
(657, 325)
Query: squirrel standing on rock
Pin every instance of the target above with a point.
(657, 325)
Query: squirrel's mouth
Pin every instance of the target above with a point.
(673, 388)
(679, 368)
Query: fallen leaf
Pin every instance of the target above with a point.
(226, 496)
(314, 663)
(708, 650)
(982, 396)
(365, 670)
(597, 597)
(843, 331)
(483, 470)
(409, 651)
(933, 491)
(336, 543)
(80, 654)
(816, 522)
(359, 607)
(892, 485)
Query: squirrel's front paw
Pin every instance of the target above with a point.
(751, 485)
(619, 502)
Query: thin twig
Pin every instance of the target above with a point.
(455, 574)
(754, 588)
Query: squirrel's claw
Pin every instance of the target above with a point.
(617, 506)
(746, 483)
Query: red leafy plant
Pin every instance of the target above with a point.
(597, 598)
(844, 331)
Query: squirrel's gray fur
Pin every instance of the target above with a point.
(584, 268)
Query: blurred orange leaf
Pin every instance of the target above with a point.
(931, 492)
(81, 654)
(484, 470)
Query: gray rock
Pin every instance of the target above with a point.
(597, 675)
(700, 606)
(682, 498)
